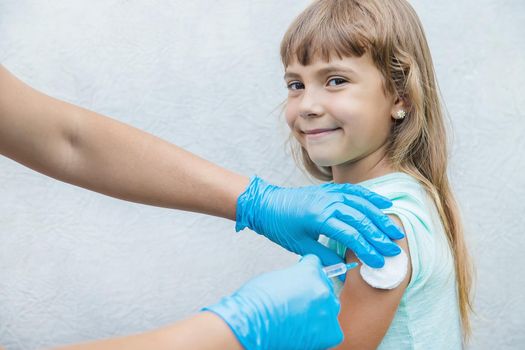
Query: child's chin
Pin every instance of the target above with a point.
(319, 161)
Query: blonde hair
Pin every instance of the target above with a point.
(391, 32)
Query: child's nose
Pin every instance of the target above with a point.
(310, 106)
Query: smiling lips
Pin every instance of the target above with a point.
(317, 133)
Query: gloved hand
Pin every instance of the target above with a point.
(295, 217)
(294, 308)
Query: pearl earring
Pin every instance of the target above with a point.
(400, 114)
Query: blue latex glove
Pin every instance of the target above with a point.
(295, 308)
(295, 217)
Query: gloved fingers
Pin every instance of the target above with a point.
(380, 201)
(328, 308)
(353, 240)
(380, 219)
(366, 228)
(326, 256)
(312, 259)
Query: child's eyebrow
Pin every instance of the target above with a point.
(290, 75)
(322, 72)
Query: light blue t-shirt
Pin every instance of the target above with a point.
(428, 314)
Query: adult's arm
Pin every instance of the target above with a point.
(89, 150)
(204, 331)
(293, 308)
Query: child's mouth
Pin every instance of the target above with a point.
(318, 133)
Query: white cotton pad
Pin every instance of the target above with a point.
(390, 275)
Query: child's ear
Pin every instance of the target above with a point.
(399, 108)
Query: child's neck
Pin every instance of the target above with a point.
(373, 165)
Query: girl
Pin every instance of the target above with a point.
(363, 104)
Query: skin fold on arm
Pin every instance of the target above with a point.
(366, 312)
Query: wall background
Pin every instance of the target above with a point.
(206, 75)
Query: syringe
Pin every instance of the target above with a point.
(338, 269)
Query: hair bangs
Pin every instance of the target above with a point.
(323, 32)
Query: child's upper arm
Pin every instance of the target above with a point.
(366, 312)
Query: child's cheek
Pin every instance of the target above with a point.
(290, 117)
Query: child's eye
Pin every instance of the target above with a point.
(295, 85)
(336, 81)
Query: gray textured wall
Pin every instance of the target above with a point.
(206, 75)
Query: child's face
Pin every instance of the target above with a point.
(338, 110)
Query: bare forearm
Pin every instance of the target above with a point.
(124, 162)
(89, 150)
(205, 331)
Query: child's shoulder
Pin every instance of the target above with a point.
(396, 186)
(416, 210)
(406, 193)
